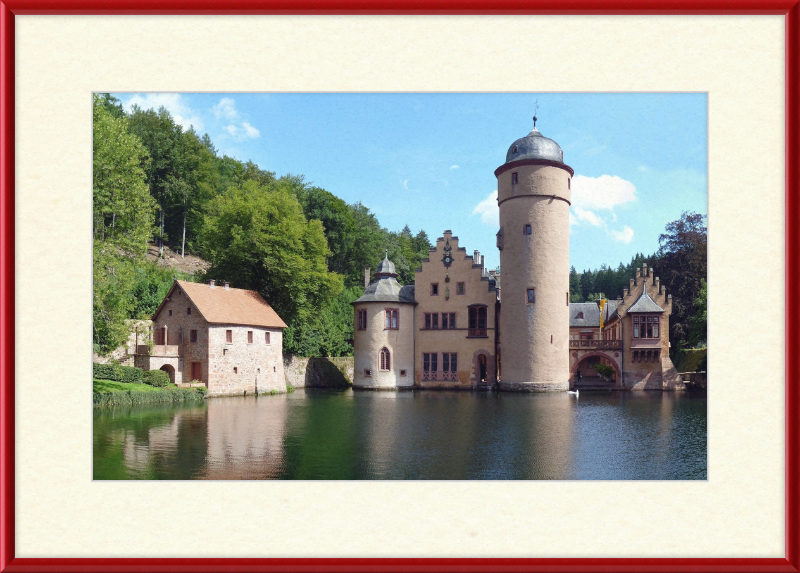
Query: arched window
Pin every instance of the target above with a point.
(385, 359)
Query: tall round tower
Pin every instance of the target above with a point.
(533, 193)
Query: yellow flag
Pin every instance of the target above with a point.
(602, 306)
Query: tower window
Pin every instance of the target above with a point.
(569, 183)
(567, 298)
(391, 319)
(531, 295)
(514, 178)
(367, 373)
(526, 230)
(361, 319)
(385, 359)
(434, 289)
(249, 337)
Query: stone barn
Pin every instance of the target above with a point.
(229, 339)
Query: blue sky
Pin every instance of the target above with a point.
(428, 160)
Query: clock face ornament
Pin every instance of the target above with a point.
(448, 257)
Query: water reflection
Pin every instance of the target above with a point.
(318, 434)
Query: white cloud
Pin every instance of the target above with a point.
(174, 103)
(226, 111)
(226, 108)
(588, 217)
(243, 131)
(623, 236)
(404, 183)
(604, 192)
(488, 210)
(454, 167)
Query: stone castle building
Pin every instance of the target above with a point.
(229, 339)
(450, 330)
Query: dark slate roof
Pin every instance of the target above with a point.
(387, 289)
(645, 304)
(386, 267)
(591, 313)
(535, 146)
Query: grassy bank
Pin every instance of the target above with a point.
(111, 393)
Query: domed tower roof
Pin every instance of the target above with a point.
(535, 148)
(385, 268)
(385, 287)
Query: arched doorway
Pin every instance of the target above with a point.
(170, 371)
(589, 376)
(483, 368)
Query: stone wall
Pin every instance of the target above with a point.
(304, 372)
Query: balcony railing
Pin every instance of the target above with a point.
(159, 350)
(596, 344)
(476, 332)
(440, 376)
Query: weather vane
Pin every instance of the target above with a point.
(535, 109)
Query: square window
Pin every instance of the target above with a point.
(229, 336)
(188, 310)
(249, 337)
(531, 295)
(434, 289)
(192, 336)
(459, 288)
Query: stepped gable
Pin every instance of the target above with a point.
(220, 305)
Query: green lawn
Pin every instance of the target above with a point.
(110, 385)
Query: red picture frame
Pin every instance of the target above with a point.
(9, 8)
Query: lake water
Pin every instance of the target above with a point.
(441, 435)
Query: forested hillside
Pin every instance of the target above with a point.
(298, 245)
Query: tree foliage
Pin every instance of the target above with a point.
(259, 239)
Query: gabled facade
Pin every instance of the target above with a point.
(455, 316)
(229, 339)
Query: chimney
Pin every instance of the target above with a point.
(211, 283)
(644, 269)
(366, 277)
(227, 286)
(476, 258)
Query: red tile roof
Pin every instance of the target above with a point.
(219, 305)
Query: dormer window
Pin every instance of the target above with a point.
(580, 315)
(515, 150)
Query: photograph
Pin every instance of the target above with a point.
(400, 286)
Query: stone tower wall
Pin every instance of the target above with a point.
(368, 343)
(535, 336)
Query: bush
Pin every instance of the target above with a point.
(157, 378)
(604, 370)
(117, 373)
(129, 398)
